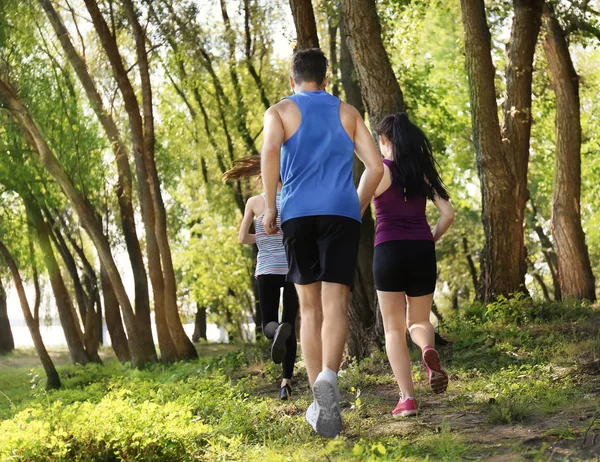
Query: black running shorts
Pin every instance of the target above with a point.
(405, 266)
(321, 248)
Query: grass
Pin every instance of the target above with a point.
(525, 385)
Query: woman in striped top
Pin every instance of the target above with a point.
(271, 271)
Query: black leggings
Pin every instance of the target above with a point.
(269, 287)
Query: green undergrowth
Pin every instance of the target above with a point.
(511, 365)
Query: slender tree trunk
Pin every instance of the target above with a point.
(124, 183)
(249, 54)
(140, 144)
(241, 112)
(471, 263)
(142, 351)
(575, 271)
(199, 325)
(306, 26)
(547, 249)
(114, 323)
(35, 279)
(380, 90)
(184, 346)
(551, 259)
(502, 154)
(52, 378)
(539, 279)
(332, 29)
(7, 342)
(64, 303)
(454, 300)
(356, 17)
(84, 301)
(89, 279)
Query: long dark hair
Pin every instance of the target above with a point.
(413, 158)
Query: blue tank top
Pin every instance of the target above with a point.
(316, 162)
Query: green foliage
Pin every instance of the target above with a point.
(221, 408)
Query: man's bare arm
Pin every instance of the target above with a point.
(273, 137)
(367, 152)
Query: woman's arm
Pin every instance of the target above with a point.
(244, 236)
(381, 187)
(446, 217)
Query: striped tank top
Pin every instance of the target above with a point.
(271, 253)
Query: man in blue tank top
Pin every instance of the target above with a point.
(309, 142)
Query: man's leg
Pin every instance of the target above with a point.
(312, 321)
(335, 323)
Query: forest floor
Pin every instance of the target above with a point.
(523, 386)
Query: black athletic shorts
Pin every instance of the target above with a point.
(321, 248)
(405, 266)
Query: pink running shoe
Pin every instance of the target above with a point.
(405, 408)
(438, 378)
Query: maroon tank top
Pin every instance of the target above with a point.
(400, 218)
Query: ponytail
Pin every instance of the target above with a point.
(246, 167)
(414, 169)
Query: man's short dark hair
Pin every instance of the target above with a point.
(309, 65)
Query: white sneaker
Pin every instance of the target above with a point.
(311, 415)
(327, 399)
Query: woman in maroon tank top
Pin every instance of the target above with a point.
(404, 264)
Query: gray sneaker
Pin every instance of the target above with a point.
(327, 398)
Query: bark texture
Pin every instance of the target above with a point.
(574, 268)
(380, 90)
(306, 27)
(85, 301)
(7, 341)
(114, 323)
(363, 325)
(52, 378)
(502, 152)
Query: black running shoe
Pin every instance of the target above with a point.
(278, 349)
(286, 393)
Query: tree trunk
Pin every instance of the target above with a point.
(166, 343)
(124, 188)
(359, 30)
(547, 249)
(502, 155)
(114, 323)
(539, 279)
(363, 309)
(199, 325)
(332, 29)
(142, 351)
(7, 342)
(184, 346)
(306, 27)
(249, 48)
(52, 378)
(37, 301)
(64, 303)
(471, 263)
(551, 260)
(380, 90)
(349, 76)
(84, 300)
(574, 269)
